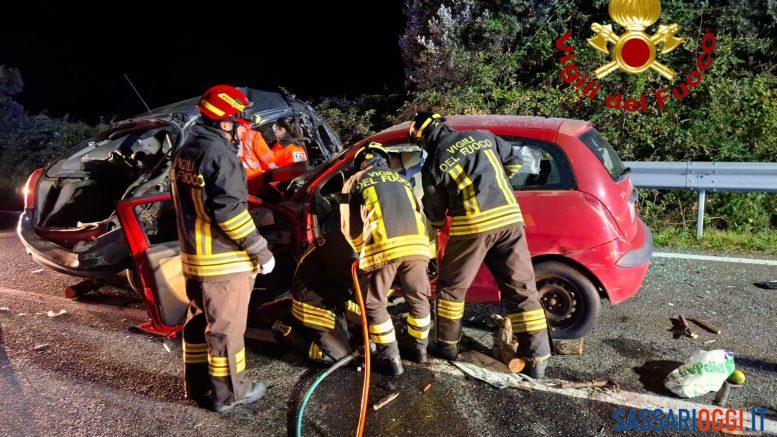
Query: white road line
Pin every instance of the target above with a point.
(623, 398)
(725, 259)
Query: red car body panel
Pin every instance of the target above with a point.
(591, 228)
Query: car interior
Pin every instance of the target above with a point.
(82, 188)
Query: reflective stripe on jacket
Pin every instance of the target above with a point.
(216, 233)
(467, 177)
(383, 221)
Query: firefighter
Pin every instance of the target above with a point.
(321, 301)
(383, 221)
(467, 178)
(221, 252)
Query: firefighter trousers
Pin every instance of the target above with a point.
(317, 344)
(416, 291)
(506, 256)
(213, 347)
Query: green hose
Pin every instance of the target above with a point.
(340, 363)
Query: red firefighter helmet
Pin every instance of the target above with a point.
(223, 103)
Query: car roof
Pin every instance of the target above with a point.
(265, 103)
(535, 127)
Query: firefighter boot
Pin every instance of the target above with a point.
(387, 360)
(535, 367)
(414, 349)
(254, 394)
(446, 351)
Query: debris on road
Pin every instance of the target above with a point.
(704, 372)
(167, 348)
(491, 371)
(22, 314)
(426, 387)
(590, 384)
(40, 347)
(385, 401)
(680, 328)
(705, 326)
(4, 309)
(737, 377)
(52, 314)
(721, 397)
(767, 285)
(572, 346)
(505, 347)
(36, 271)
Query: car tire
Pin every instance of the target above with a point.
(572, 303)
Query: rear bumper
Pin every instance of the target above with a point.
(620, 268)
(107, 257)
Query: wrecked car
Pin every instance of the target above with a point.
(585, 236)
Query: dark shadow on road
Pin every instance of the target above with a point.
(652, 374)
(14, 405)
(755, 364)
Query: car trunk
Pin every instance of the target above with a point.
(77, 193)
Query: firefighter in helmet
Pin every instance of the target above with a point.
(221, 253)
(383, 221)
(467, 178)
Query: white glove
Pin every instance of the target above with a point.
(268, 267)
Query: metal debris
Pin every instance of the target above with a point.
(426, 387)
(40, 347)
(167, 348)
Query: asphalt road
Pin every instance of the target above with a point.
(86, 373)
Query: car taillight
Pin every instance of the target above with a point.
(29, 188)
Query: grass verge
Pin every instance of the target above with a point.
(725, 241)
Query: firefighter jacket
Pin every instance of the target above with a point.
(383, 221)
(217, 235)
(467, 177)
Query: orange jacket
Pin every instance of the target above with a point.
(287, 153)
(256, 157)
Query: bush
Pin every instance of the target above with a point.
(27, 141)
(498, 56)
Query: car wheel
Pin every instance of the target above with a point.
(571, 301)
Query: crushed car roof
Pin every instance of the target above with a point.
(264, 103)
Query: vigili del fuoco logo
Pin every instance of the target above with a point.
(634, 51)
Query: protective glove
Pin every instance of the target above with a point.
(268, 267)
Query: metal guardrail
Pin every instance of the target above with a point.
(741, 177)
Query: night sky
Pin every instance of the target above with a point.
(72, 58)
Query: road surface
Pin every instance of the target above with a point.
(86, 373)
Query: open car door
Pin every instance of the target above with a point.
(149, 226)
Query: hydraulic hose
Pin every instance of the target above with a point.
(343, 361)
(366, 383)
(340, 363)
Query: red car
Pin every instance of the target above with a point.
(586, 239)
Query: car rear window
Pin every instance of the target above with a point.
(604, 153)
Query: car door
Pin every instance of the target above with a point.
(149, 226)
(549, 200)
